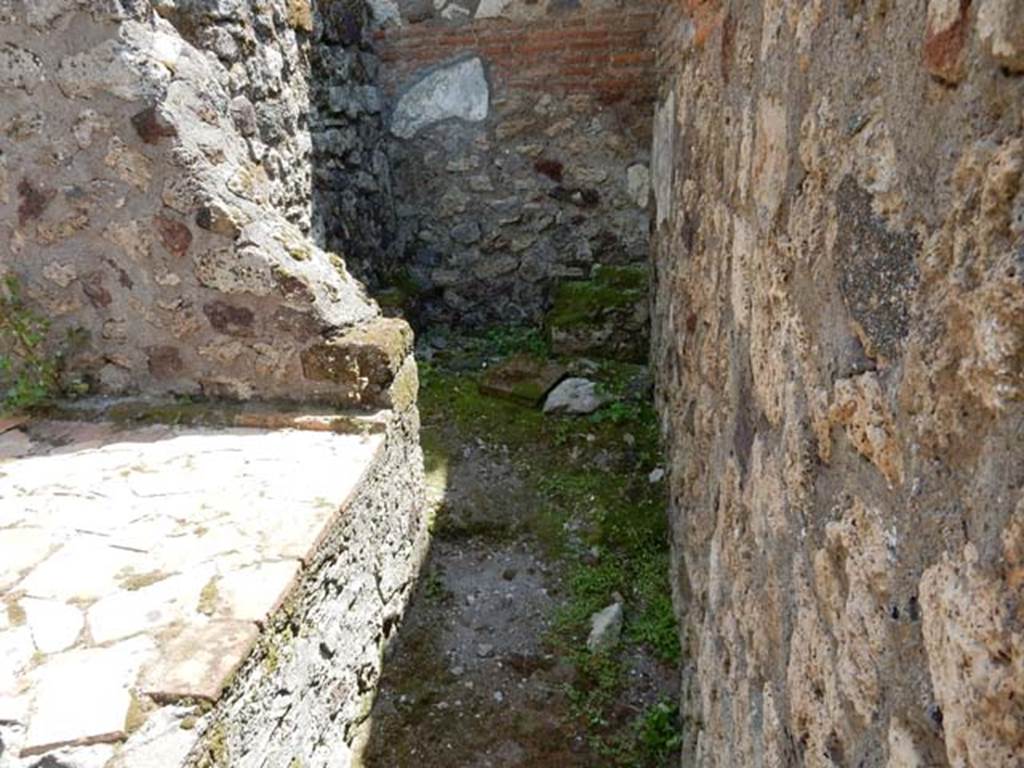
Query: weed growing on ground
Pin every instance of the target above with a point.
(658, 731)
(512, 340)
(601, 517)
(434, 588)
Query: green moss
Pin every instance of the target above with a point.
(585, 302)
(276, 646)
(136, 715)
(617, 510)
(135, 581)
(391, 298)
(16, 614)
(209, 597)
(217, 753)
(182, 412)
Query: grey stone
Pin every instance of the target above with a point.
(1001, 29)
(638, 184)
(19, 68)
(489, 9)
(458, 91)
(466, 232)
(574, 396)
(384, 12)
(605, 629)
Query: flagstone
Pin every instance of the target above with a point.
(253, 593)
(13, 444)
(131, 611)
(55, 625)
(20, 549)
(85, 568)
(83, 696)
(16, 652)
(161, 742)
(198, 661)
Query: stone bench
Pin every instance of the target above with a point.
(208, 593)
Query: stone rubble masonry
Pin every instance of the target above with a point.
(495, 213)
(157, 190)
(839, 353)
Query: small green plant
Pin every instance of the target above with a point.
(435, 589)
(659, 732)
(516, 339)
(28, 377)
(618, 412)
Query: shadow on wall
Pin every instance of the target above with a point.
(520, 151)
(353, 203)
(172, 241)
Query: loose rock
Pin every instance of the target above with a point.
(574, 396)
(605, 629)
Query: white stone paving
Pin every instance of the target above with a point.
(140, 565)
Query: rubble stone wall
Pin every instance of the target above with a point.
(158, 163)
(521, 135)
(839, 345)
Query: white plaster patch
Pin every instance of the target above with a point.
(384, 12)
(458, 91)
(490, 9)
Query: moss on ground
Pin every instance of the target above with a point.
(584, 302)
(16, 616)
(602, 521)
(209, 597)
(133, 582)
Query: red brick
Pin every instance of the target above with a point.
(633, 57)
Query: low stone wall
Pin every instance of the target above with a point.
(520, 152)
(302, 695)
(839, 344)
(238, 619)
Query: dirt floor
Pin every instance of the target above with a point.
(540, 522)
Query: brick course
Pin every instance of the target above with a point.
(609, 53)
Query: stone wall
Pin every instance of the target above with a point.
(156, 194)
(520, 154)
(839, 339)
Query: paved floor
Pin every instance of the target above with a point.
(140, 565)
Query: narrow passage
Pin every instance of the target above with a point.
(541, 521)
